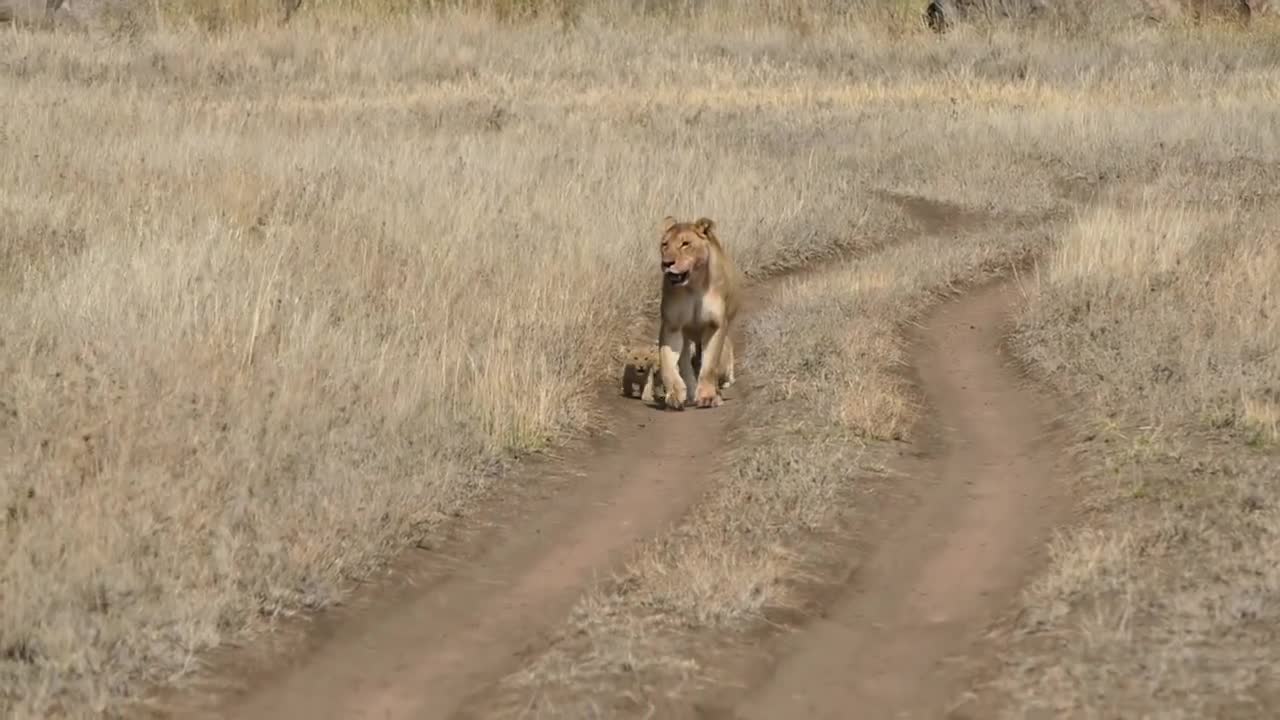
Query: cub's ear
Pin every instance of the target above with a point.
(705, 225)
(668, 222)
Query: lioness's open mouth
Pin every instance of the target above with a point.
(677, 278)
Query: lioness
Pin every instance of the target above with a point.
(699, 303)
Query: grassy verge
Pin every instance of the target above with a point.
(1159, 309)
(279, 300)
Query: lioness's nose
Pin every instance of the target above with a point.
(666, 264)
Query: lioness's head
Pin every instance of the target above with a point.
(686, 250)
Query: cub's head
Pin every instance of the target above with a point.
(686, 250)
(641, 357)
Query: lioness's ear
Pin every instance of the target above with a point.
(668, 222)
(705, 225)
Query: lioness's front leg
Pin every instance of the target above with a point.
(692, 348)
(671, 350)
(712, 362)
(726, 369)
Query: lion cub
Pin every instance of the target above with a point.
(700, 289)
(640, 377)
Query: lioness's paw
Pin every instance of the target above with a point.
(677, 396)
(674, 399)
(708, 396)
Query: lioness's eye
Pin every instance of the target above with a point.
(684, 244)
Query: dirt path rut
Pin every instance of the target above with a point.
(897, 645)
(417, 652)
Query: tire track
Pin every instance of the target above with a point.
(906, 637)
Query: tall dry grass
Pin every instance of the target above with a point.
(278, 300)
(256, 340)
(1193, 283)
(1159, 310)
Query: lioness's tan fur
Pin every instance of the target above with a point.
(700, 298)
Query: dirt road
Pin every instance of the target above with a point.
(420, 657)
(468, 610)
(900, 643)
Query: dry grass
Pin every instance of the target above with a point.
(281, 299)
(277, 301)
(1160, 311)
